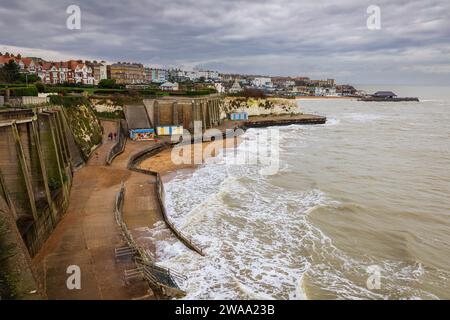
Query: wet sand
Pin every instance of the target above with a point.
(163, 163)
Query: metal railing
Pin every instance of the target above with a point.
(132, 165)
(151, 272)
(181, 235)
(119, 146)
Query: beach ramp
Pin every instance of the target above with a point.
(137, 117)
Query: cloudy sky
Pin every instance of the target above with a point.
(314, 38)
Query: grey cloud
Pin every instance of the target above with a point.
(278, 37)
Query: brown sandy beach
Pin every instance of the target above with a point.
(162, 162)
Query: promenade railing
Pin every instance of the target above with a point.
(160, 193)
(119, 146)
(152, 272)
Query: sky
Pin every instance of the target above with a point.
(316, 38)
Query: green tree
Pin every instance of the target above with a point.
(10, 72)
(32, 78)
(107, 84)
(40, 87)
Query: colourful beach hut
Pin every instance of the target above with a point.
(142, 134)
(169, 130)
(238, 116)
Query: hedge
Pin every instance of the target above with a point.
(64, 90)
(11, 85)
(23, 91)
(109, 91)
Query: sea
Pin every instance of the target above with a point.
(359, 207)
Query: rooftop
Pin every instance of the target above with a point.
(384, 94)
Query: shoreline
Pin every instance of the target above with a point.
(162, 163)
(325, 98)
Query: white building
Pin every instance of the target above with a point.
(262, 82)
(156, 75)
(208, 75)
(219, 87)
(319, 91)
(331, 92)
(169, 86)
(235, 88)
(196, 75)
(83, 74)
(103, 71)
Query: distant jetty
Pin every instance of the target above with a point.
(283, 120)
(386, 96)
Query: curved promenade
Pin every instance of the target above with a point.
(160, 193)
(88, 235)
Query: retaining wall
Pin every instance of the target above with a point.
(17, 278)
(161, 280)
(132, 165)
(36, 174)
(184, 111)
(29, 100)
(35, 181)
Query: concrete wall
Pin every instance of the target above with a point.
(39, 153)
(12, 174)
(35, 100)
(149, 107)
(26, 100)
(15, 114)
(17, 277)
(184, 111)
(137, 117)
(36, 174)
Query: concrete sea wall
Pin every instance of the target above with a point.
(40, 150)
(29, 100)
(184, 111)
(17, 279)
(36, 174)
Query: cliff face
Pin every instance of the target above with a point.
(85, 127)
(258, 106)
(108, 108)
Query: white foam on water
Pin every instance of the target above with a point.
(332, 122)
(259, 240)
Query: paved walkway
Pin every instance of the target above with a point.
(140, 203)
(88, 234)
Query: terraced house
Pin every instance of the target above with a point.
(72, 71)
(25, 64)
(99, 70)
(156, 75)
(127, 73)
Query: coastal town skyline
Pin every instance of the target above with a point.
(232, 37)
(20, 58)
